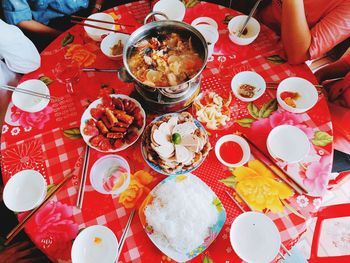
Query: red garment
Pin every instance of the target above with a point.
(328, 20)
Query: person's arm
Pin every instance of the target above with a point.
(38, 28)
(295, 33)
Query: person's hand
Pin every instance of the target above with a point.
(22, 252)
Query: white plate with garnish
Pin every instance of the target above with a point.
(95, 244)
(255, 238)
(248, 86)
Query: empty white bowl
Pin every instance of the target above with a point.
(173, 9)
(107, 165)
(203, 20)
(24, 191)
(95, 244)
(241, 142)
(95, 33)
(235, 25)
(211, 36)
(308, 95)
(288, 143)
(255, 238)
(251, 78)
(108, 43)
(28, 102)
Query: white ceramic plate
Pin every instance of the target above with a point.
(308, 95)
(95, 244)
(233, 138)
(255, 238)
(24, 191)
(87, 115)
(288, 143)
(213, 231)
(251, 78)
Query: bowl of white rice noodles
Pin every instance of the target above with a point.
(182, 216)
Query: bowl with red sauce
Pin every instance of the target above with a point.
(232, 150)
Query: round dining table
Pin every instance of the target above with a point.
(50, 142)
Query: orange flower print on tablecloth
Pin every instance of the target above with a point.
(83, 54)
(137, 189)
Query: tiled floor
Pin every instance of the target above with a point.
(335, 237)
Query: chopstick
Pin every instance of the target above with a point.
(277, 83)
(319, 90)
(30, 92)
(286, 177)
(248, 18)
(243, 211)
(10, 236)
(101, 21)
(125, 232)
(81, 191)
(98, 27)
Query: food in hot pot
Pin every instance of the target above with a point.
(165, 60)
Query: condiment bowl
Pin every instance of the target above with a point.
(252, 28)
(30, 103)
(241, 142)
(250, 78)
(288, 143)
(173, 9)
(110, 41)
(203, 20)
(306, 92)
(255, 238)
(95, 33)
(24, 191)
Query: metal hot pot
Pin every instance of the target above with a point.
(173, 98)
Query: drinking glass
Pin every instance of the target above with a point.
(67, 72)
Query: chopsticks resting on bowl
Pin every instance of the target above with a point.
(30, 92)
(248, 18)
(243, 211)
(282, 175)
(10, 236)
(125, 232)
(84, 169)
(97, 27)
(277, 83)
(81, 18)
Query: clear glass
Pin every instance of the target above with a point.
(67, 72)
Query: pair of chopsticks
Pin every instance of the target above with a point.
(14, 232)
(283, 175)
(277, 83)
(30, 92)
(125, 233)
(243, 211)
(81, 191)
(81, 21)
(248, 18)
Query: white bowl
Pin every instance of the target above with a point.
(308, 95)
(233, 138)
(288, 143)
(211, 36)
(95, 33)
(203, 20)
(28, 102)
(109, 41)
(24, 191)
(235, 25)
(173, 9)
(251, 78)
(255, 238)
(87, 249)
(101, 167)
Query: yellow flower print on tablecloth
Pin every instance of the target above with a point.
(258, 186)
(136, 189)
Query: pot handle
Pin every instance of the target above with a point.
(154, 13)
(124, 76)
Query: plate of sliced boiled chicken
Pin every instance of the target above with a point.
(175, 143)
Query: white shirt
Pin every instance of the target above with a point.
(17, 54)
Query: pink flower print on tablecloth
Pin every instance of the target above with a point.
(53, 230)
(31, 119)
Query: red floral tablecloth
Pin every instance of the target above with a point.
(49, 142)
